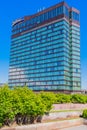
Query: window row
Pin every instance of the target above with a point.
(39, 19)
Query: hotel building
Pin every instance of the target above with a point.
(45, 50)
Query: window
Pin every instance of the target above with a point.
(74, 16)
(76, 70)
(52, 69)
(58, 63)
(66, 11)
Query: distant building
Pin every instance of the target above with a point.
(45, 50)
(1, 84)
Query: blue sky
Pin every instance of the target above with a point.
(11, 10)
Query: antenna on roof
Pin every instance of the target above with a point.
(38, 10)
(41, 9)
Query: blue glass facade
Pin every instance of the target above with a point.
(45, 50)
(33, 22)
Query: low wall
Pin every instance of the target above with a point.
(64, 114)
(61, 115)
(49, 126)
(69, 106)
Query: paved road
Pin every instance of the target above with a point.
(82, 127)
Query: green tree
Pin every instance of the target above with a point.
(6, 113)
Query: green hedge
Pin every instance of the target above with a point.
(23, 106)
(63, 98)
(79, 98)
(84, 115)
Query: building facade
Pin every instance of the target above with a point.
(45, 50)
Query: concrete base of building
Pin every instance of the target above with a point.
(64, 91)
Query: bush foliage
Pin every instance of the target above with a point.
(23, 106)
(63, 98)
(84, 114)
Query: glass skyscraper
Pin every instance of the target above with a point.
(45, 50)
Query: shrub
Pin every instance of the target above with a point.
(63, 98)
(84, 113)
(78, 98)
(48, 98)
(28, 106)
(6, 112)
(22, 105)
